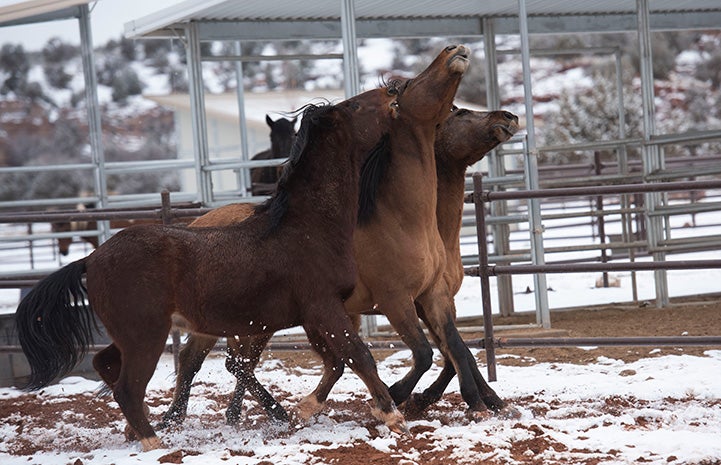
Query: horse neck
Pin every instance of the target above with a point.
(412, 189)
(451, 191)
(449, 213)
(324, 192)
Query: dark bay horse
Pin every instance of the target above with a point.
(297, 244)
(463, 139)
(466, 135)
(282, 134)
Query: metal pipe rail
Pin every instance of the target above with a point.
(485, 270)
(500, 342)
(489, 196)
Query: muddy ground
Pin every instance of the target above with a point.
(691, 316)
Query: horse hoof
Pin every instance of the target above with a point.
(478, 416)
(308, 408)
(413, 408)
(508, 412)
(151, 443)
(394, 420)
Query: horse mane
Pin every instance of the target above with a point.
(277, 205)
(372, 175)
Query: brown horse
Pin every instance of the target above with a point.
(465, 137)
(299, 243)
(282, 134)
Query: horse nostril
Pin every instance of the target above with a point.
(451, 48)
(510, 116)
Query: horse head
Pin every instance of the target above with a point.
(467, 135)
(428, 98)
(282, 135)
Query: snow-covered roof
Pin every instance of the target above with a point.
(15, 12)
(225, 106)
(319, 19)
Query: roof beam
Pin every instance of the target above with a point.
(610, 23)
(440, 27)
(325, 29)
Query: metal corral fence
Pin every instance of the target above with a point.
(480, 197)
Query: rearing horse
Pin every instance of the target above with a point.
(394, 264)
(463, 139)
(299, 243)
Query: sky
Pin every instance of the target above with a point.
(108, 18)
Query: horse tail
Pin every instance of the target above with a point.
(55, 324)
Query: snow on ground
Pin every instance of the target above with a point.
(661, 410)
(656, 411)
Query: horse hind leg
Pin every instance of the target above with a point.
(243, 356)
(107, 363)
(137, 367)
(190, 360)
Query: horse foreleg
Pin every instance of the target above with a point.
(417, 403)
(434, 392)
(190, 360)
(243, 356)
(489, 396)
(438, 312)
(402, 316)
(333, 367)
(337, 330)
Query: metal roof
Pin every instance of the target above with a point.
(37, 11)
(291, 19)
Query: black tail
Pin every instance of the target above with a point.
(55, 324)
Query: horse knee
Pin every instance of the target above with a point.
(423, 358)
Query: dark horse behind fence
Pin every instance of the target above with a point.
(463, 139)
(282, 134)
(298, 243)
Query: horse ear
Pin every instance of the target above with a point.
(269, 121)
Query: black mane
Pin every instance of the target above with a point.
(372, 174)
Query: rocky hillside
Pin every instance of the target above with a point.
(42, 116)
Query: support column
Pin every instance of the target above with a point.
(531, 168)
(496, 169)
(94, 121)
(650, 153)
(244, 173)
(351, 80)
(197, 114)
